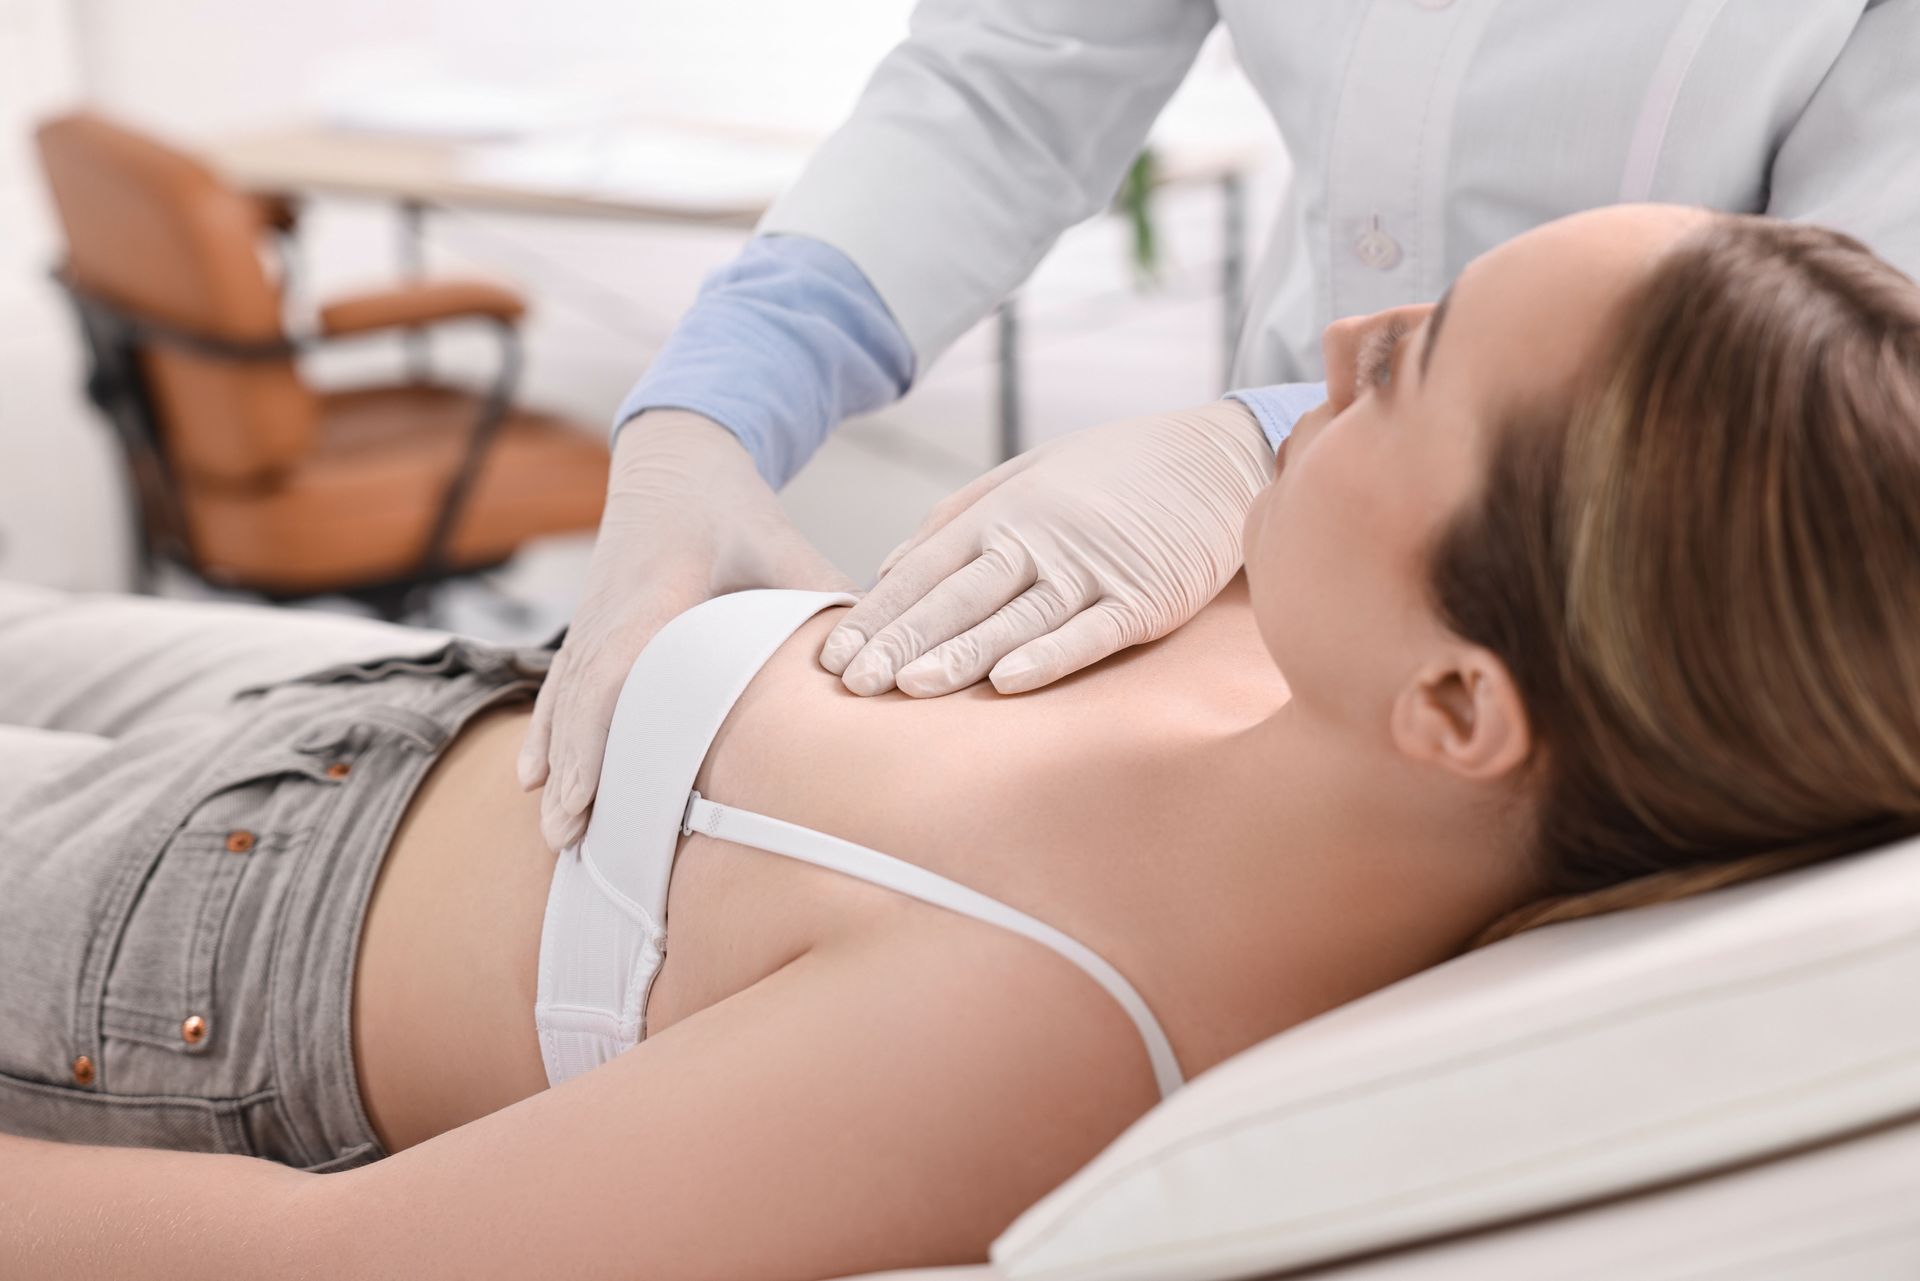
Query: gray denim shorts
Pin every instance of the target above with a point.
(179, 916)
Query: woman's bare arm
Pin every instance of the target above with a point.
(72, 1211)
(885, 1100)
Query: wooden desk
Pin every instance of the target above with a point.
(418, 174)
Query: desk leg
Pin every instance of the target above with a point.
(413, 268)
(1008, 323)
(1233, 269)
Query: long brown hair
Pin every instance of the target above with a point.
(1705, 575)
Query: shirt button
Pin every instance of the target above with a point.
(83, 1070)
(239, 842)
(1376, 248)
(339, 770)
(194, 1030)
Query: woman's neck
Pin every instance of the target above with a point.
(1372, 867)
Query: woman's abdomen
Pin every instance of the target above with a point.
(444, 976)
(447, 969)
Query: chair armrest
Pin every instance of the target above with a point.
(279, 211)
(416, 305)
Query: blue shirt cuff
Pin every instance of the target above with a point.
(780, 345)
(1279, 407)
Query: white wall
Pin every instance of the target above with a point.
(59, 500)
(200, 67)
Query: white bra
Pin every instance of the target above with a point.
(604, 935)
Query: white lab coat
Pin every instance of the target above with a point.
(1422, 132)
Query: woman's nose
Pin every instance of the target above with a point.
(1339, 349)
(1340, 345)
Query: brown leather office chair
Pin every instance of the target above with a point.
(243, 472)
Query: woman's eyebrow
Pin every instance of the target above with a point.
(1433, 332)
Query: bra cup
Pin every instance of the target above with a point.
(676, 696)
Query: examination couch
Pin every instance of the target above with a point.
(1725, 1087)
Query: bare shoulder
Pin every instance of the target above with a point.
(892, 1098)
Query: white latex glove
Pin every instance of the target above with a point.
(687, 517)
(1092, 542)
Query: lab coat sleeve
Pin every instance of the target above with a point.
(1852, 160)
(992, 128)
(780, 344)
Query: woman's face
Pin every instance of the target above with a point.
(1337, 545)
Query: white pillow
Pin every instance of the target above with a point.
(1562, 1064)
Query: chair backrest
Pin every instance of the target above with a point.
(154, 232)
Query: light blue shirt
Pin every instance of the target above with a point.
(1279, 407)
(780, 345)
(789, 338)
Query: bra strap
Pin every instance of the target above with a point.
(776, 836)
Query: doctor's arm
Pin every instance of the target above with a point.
(993, 127)
(870, 1105)
(780, 344)
(1852, 159)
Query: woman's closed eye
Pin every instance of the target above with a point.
(1373, 367)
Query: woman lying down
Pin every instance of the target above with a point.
(1594, 585)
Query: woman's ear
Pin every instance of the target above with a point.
(1464, 714)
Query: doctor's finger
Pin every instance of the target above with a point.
(582, 714)
(963, 599)
(918, 573)
(911, 541)
(969, 656)
(531, 767)
(558, 827)
(1084, 639)
(943, 512)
